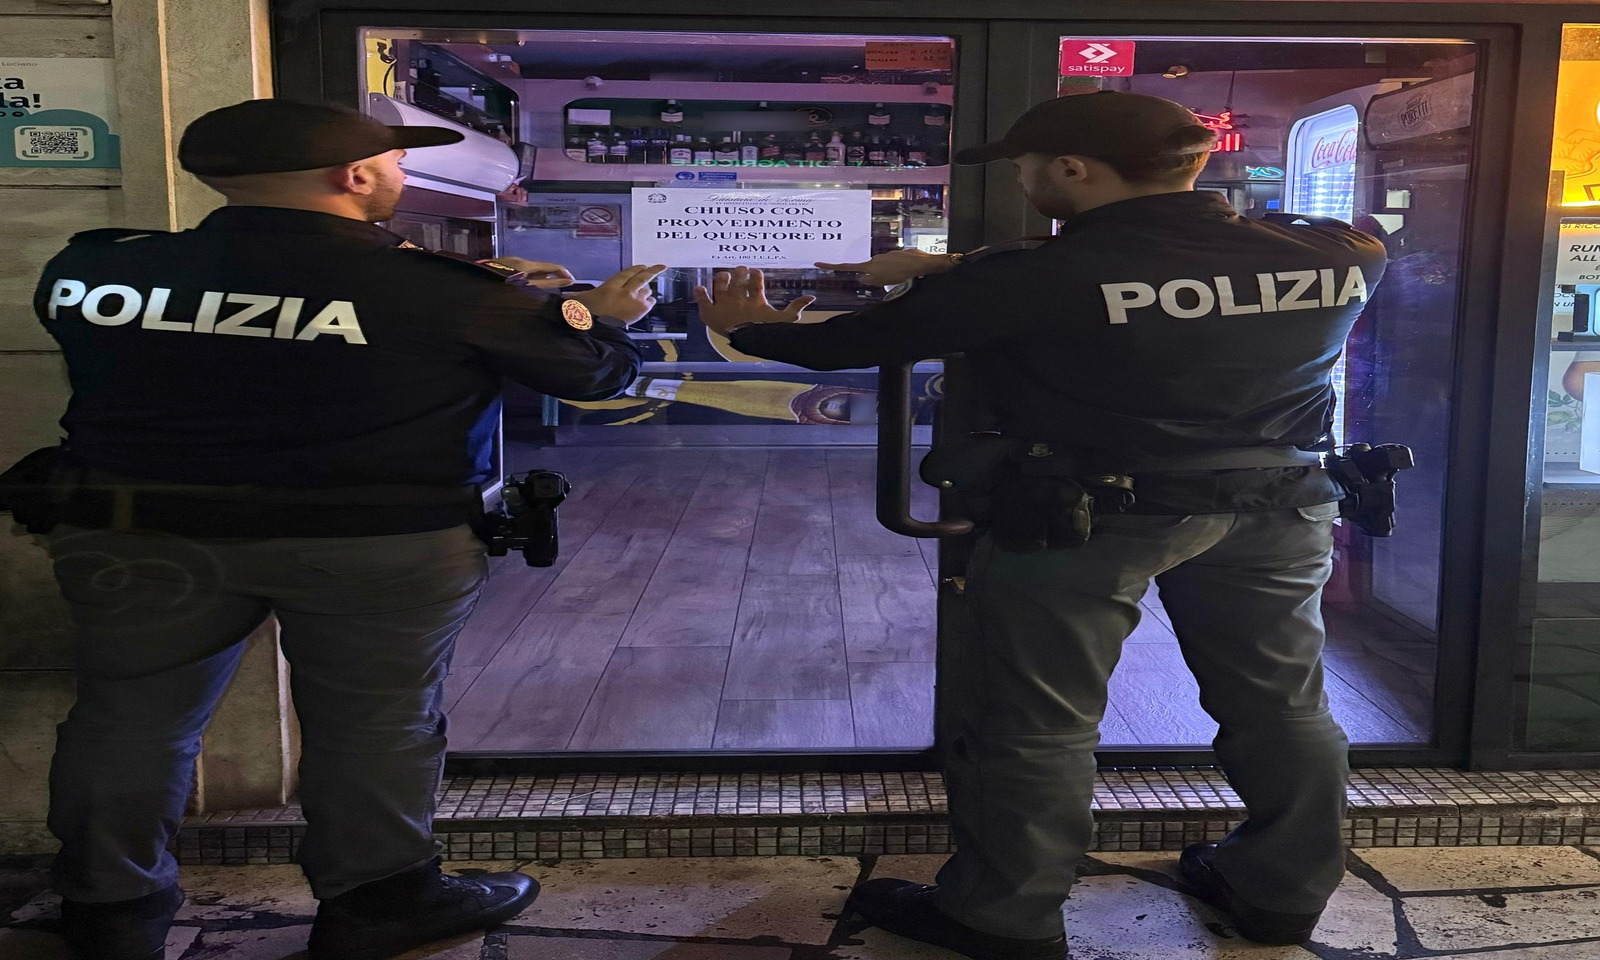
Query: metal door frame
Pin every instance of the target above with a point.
(1488, 499)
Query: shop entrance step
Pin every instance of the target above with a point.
(593, 816)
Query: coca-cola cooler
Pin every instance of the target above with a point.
(1320, 179)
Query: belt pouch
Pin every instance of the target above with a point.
(968, 469)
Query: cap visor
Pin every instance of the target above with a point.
(406, 138)
(999, 150)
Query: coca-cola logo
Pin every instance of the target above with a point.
(1330, 151)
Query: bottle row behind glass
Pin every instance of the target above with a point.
(661, 146)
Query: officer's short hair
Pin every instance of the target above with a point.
(1160, 167)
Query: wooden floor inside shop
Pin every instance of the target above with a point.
(746, 599)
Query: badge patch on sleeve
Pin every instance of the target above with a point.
(577, 315)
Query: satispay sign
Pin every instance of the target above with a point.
(1096, 58)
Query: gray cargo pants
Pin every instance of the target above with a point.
(367, 624)
(1243, 591)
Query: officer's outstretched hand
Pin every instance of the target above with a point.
(738, 297)
(626, 295)
(895, 266)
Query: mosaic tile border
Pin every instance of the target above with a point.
(595, 816)
(723, 837)
(1196, 790)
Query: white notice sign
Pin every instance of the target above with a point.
(693, 227)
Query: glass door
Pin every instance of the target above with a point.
(1378, 131)
(724, 586)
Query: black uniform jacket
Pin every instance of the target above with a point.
(286, 348)
(1153, 327)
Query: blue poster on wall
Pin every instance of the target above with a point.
(58, 112)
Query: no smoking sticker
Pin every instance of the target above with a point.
(599, 222)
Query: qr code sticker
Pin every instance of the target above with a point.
(55, 143)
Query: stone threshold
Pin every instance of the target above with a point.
(596, 816)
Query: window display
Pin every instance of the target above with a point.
(1560, 708)
(615, 131)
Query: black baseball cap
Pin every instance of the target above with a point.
(1104, 124)
(277, 136)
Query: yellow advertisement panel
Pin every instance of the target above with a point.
(1577, 133)
(380, 65)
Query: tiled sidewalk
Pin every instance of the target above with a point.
(1505, 903)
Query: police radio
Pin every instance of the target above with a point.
(528, 521)
(1366, 473)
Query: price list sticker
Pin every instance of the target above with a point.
(908, 55)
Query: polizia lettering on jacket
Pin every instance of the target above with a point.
(1270, 293)
(229, 314)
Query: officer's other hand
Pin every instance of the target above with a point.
(895, 266)
(625, 295)
(739, 296)
(538, 273)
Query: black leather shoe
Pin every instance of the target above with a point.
(1198, 868)
(905, 908)
(124, 930)
(387, 917)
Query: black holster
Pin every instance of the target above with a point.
(1366, 473)
(1030, 495)
(36, 489)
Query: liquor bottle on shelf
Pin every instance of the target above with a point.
(577, 148)
(875, 151)
(427, 75)
(672, 114)
(936, 116)
(816, 150)
(794, 151)
(916, 154)
(617, 150)
(855, 152)
(638, 147)
(749, 150)
(835, 150)
(879, 116)
(658, 148)
(727, 150)
(681, 154)
(596, 146)
(703, 151)
(894, 152)
(771, 149)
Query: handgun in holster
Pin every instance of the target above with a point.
(1366, 474)
(1031, 495)
(527, 523)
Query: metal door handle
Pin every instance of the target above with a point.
(894, 460)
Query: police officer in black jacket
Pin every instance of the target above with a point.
(287, 410)
(1164, 338)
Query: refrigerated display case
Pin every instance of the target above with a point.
(1320, 174)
